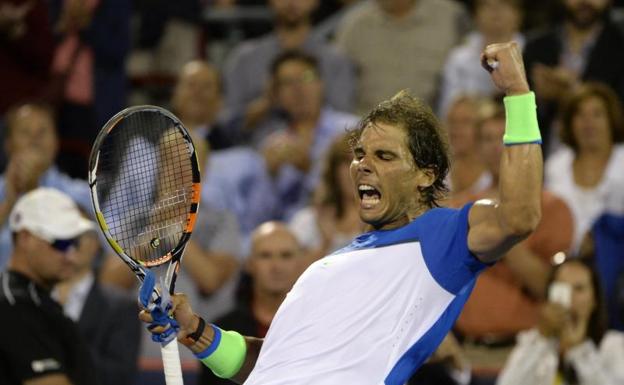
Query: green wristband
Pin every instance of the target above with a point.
(226, 355)
(521, 125)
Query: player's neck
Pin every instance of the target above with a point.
(411, 214)
(417, 211)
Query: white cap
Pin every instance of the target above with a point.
(49, 214)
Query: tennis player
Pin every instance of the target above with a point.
(373, 312)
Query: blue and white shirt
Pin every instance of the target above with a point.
(373, 312)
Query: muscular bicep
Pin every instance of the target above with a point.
(488, 239)
(51, 379)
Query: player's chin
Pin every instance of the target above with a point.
(373, 216)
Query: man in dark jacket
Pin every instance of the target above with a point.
(585, 46)
(40, 345)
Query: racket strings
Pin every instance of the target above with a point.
(147, 191)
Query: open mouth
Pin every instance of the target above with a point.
(369, 195)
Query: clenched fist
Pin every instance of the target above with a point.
(508, 73)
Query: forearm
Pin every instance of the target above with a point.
(230, 357)
(521, 169)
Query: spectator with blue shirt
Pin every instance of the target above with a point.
(294, 144)
(236, 180)
(32, 146)
(374, 311)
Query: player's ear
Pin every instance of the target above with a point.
(425, 177)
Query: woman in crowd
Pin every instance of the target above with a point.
(468, 174)
(587, 172)
(570, 344)
(332, 221)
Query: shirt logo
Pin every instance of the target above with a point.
(40, 366)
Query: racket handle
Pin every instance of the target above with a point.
(171, 363)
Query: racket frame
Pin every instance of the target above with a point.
(170, 355)
(175, 255)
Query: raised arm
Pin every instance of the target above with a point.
(496, 226)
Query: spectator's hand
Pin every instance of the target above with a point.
(552, 319)
(24, 170)
(256, 112)
(551, 83)
(298, 153)
(509, 75)
(283, 147)
(274, 150)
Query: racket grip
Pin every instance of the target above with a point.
(171, 363)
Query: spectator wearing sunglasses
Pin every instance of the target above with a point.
(40, 344)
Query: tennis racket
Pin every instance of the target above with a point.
(145, 188)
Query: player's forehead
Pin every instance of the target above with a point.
(380, 135)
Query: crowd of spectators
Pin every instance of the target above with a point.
(269, 89)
